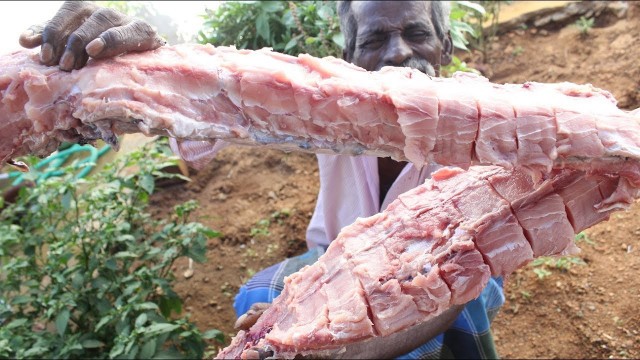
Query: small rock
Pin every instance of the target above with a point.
(213, 303)
(206, 280)
(219, 267)
(222, 196)
(188, 273)
(544, 32)
(624, 247)
(189, 308)
(591, 307)
(272, 195)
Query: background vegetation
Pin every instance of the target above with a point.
(86, 271)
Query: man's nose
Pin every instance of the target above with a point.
(397, 52)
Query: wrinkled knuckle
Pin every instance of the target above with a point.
(76, 41)
(113, 37)
(78, 8)
(107, 15)
(143, 29)
(51, 32)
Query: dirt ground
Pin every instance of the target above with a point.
(262, 200)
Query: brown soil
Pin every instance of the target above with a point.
(587, 311)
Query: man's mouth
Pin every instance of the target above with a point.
(418, 64)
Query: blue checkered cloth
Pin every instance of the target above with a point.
(468, 338)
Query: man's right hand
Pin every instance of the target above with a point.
(80, 30)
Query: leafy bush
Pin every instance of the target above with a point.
(86, 272)
(290, 27)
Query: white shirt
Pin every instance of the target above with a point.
(349, 187)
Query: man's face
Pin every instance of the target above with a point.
(394, 33)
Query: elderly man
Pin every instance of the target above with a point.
(377, 34)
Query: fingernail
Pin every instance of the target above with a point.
(240, 320)
(46, 53)
(66, 63)
(95, 47)
(27, 34)
(251, 354)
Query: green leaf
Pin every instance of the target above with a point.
(92, 344)
(35, 351)
(62, 320)
(77, 281)
(148, 349)
(474, 6)
(20, 299)
(103, 322)
(116, 350)
(211, 233)
(270, 6)
(147, 183)
(16, 323)
(141, 320)
(214, 334)
(325, 13)
(293, 42)
(146, 306)
(125, 254)
(338, 38)
(169, 304)
(66, 199)
(160, 328)
(262, 27)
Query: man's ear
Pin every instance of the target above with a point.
(447, 50)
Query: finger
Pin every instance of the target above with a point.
(257, 354)
(32, 37)
(75, 55)
(249, 318)
(55, 34)
(134, 36)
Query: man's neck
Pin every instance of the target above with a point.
(388, 171)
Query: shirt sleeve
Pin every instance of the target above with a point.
(197, 154)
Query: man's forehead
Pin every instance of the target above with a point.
(390, 13)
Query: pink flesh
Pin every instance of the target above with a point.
(432, 248)
(201, 92)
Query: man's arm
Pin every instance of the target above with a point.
(80, 30)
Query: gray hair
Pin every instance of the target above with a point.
(440, 11)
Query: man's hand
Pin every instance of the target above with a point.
(80, 30)
(377, 347)
(249, 318)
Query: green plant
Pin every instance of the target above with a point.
(543, 265)
(86, 272)
(461, 31)
(456, 65)
(517, 51)
(291, 27)
(584, 25)
(582, 237)
(480, 19)
(261, 228)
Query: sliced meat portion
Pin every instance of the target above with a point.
(201, 92)
(433, 248)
